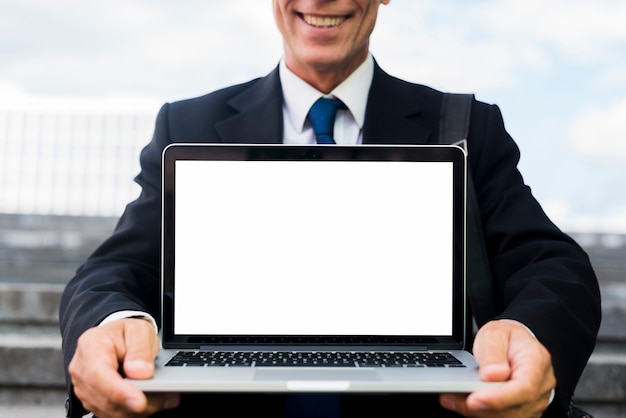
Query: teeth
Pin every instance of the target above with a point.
(323, 22)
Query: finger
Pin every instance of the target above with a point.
(454, 402)
(503, 401)
(491, 348)
(514, 403)
(141, 346)
(493, 399)
(531, 373)
(160, 402)
(94, 372)
(116, 396)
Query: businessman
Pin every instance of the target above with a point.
(547, 300)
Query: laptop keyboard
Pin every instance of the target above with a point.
(313, 359)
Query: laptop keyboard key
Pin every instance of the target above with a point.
(313, 359)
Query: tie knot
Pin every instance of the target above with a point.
(322, 118)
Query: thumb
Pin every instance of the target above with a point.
(142, 346)
(491, 348)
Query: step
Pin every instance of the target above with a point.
(49, 248)
(604, 379)
(38, 304)
(24, 304)
(31, 360)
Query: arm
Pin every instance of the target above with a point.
(543, 279)
(123, 273)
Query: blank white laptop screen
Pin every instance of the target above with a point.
(313, 248)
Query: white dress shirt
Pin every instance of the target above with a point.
(299, 96)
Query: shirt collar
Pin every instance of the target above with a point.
(299, 96)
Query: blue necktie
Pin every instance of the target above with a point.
(322, 119)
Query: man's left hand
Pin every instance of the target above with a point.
(507, 352)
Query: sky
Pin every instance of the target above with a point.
(556, 69)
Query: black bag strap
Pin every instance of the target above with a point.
(454, 127)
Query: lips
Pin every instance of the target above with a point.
(324, 21)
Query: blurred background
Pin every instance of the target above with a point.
(81, 83)
(88, 73)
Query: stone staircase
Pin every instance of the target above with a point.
(38, 254)
(602, 388)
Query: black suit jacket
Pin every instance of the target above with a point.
(542, 278)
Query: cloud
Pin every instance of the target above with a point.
(556, 67)
(580, 29)
(600, 133)
(15, 99)
(431, 42)
(180, 48)
(491, 45)
(135, 45)
(611, 220)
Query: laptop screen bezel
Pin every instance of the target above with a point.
(268, 152)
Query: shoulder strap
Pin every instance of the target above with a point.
(456, 110)
(453, 129)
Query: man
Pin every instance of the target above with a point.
(547, 294)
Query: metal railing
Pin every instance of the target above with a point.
(70, 163)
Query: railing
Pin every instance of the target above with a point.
(70, 163)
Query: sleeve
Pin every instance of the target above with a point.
(122, 274)
(542, 277)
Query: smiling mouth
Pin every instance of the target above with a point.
(323, 21)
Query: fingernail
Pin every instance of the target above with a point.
(134, 403)
(171, 402)
(478, 406)
(448, 403)
(138, 364)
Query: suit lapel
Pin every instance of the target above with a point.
(393, 112)
(260, 117)
(392, 115)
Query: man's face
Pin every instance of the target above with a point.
(325, 36)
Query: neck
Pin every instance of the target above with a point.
(324, 77)
(324, 82)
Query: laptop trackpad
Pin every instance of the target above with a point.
(311, 379)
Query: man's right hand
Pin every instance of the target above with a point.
(130, 345)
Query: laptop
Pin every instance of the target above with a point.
(313, 268)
